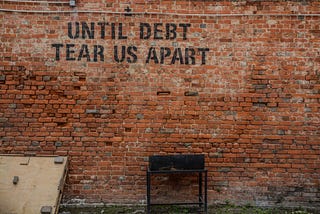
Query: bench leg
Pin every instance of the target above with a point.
(200, 190)
(148, 193)
(206, 192)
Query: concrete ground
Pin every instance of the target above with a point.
(223, 209)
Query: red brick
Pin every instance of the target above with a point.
(255, 109)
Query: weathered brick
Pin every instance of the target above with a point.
(240, 89)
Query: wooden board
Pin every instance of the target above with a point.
(40, 183)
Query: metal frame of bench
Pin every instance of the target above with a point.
(202, 201)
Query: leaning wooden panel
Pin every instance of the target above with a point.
(29, 184)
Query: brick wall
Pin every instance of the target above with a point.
(243, 89)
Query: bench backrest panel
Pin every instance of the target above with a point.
(176, 162)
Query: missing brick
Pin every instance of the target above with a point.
(191, 93)
(163, 93)
(62, 124)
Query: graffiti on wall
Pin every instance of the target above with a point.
(129, 54)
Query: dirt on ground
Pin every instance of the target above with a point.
(223, 209)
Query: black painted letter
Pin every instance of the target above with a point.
(152, 55)
(157, 32)
(103, 29)
(84, 48)
(131, 50)
(148, 27)
(69, 52)
(120, 32)
(175, 57)
(123, 53)
(185, 28)
(203, 55)
(164, 52)
(86, 30)
(190, 56)
(171, 31)
(57, 46)
(96, 53)
(76, 35)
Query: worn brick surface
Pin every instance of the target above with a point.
(250, 103)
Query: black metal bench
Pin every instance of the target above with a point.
(179, 164)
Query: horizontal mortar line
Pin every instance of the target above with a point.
(151, 13)
(39, 2)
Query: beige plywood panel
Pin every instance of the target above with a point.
(38, 185)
